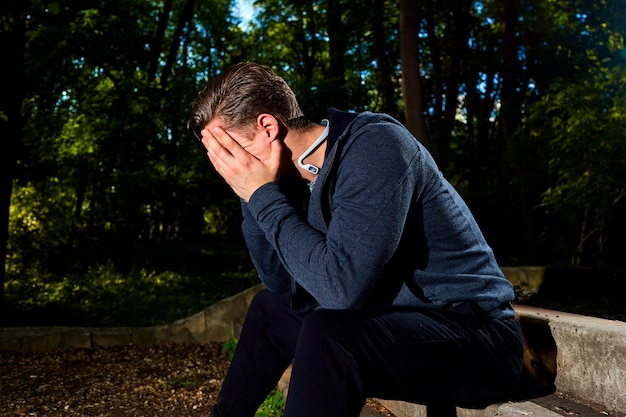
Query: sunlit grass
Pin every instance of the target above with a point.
(161, 288)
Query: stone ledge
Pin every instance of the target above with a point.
(589, 360)
(217, 323)
(591, 356)
(521, 409)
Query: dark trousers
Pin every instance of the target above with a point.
(458, 356)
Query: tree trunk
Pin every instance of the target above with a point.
(411, 78)
(446, 86)
(12, 47)
(510, 112)
(385, 65)
(157, 44)
(337, 49)
(185, 18)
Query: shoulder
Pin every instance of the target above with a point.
(379, 139)
(348, 125)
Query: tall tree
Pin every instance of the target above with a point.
(385, 59)
(446, 72)
(511, 99)
(13, 17)
(337, 48)
(413, 96)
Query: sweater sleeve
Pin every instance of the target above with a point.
(371, 197)
(264, 258)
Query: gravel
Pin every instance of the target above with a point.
(169, 380)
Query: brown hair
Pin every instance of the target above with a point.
(241, 93)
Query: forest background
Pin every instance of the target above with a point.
(112, 214)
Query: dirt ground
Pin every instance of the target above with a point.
(170, 380)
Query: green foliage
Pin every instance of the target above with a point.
(184, 383)
(110, 185)
(228, 348)
(167, 284)
(581, 130)
(272, 406)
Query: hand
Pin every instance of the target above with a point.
(240, 169)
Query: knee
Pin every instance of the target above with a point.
(260, 298)
(265, 300)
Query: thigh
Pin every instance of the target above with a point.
(270, 319)
(429, 356)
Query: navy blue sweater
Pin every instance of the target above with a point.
(382, 226)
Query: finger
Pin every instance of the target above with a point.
(210, 139)
(219, 156)
(230, 144)
(213, 158)
(205, 137)
(226, 171)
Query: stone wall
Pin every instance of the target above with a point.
(219, 322)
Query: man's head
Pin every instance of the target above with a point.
(255, 107)
(241, 93)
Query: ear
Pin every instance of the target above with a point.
(268, 126)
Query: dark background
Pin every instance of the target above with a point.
(112, 214)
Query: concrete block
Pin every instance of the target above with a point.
(508, 409)
(404, 409)
(76, 338)
(527, 280)
(196, 325)
(119, 336)
(591, 357)
(161, 334)
(520, 409)
(180, 333)
(10, 341)
(144, 336)
(31, 340)
(222, 318)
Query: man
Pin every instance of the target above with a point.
(379, 281)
